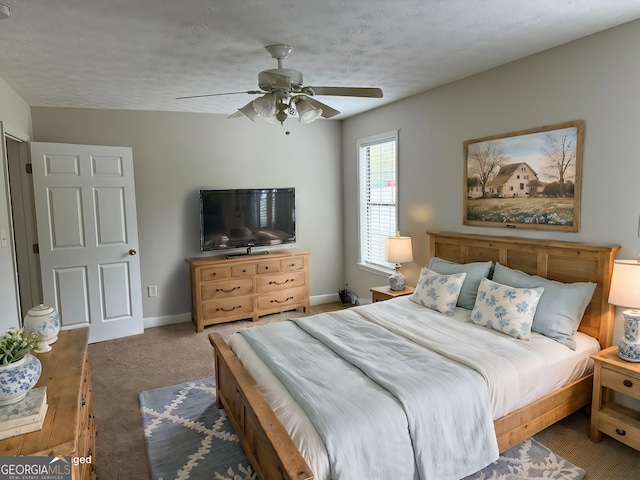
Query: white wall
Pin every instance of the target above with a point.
(15, 116)
(595, 79)
(176, 154)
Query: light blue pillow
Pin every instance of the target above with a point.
(475, 272)
(507, 309)
(438, 292)
(561, 306)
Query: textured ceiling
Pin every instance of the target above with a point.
(141, 54)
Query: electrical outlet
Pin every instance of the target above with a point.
(152, 290)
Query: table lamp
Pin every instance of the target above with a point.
(398, 251)
(625, 292)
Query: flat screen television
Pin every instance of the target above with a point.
(246, 218)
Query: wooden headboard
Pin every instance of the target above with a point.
(556, 260)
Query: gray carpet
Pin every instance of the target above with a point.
(187, 437)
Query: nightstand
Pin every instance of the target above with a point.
(378, 294)
(613, 374)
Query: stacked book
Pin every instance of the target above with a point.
(24, 416)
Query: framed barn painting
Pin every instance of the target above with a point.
(526, 179)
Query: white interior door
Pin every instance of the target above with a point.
(88, 237)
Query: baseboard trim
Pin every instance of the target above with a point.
(150, 322)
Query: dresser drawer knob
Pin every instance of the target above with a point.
(628, 383)
(273, 282)
(622, 433)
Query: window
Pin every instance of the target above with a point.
(378, 197)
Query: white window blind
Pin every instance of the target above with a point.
(378, 192)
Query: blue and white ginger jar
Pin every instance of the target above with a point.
(45, 320)
(17, 378)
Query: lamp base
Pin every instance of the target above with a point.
(397, 281)
(629, 345)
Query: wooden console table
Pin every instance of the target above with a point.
(69, 428)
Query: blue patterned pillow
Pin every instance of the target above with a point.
(438, 292)
(561, 306)
(506, 309)
(475, 271)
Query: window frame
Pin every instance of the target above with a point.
(364, 262)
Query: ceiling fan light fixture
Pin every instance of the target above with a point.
(273, 120)
(306, 112)
(265, 106)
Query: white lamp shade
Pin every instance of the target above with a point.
(625, 284)
(306, 112)
(399, 250)
(265, 105)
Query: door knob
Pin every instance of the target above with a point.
(132, 251)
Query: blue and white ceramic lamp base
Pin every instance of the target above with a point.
(629, 344)
(397, 281)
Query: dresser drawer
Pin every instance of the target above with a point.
(620, 382)
(272, 300)
(227, 289)
(219, 309)
(293, 263)
(246, 270)
(213, 273)
(280, 281)
(269, 266)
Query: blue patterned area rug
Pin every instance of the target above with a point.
(189, 438)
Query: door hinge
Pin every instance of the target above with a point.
(36, 248)
(28, 168)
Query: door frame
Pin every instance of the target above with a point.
(9, 133)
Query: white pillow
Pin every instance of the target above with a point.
(506, 309)
(438, 292)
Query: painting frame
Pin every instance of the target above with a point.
(526, 179)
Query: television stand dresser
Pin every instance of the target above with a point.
(227, 289)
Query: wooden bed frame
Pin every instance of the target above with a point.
(268, 445)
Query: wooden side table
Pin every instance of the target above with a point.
(379, 294)
(613, 374)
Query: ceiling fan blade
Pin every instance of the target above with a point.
(250, 92)
(247, 111)
(348, 91)
(327, 111)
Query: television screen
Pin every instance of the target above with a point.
(246, 218)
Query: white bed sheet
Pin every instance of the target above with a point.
(563, 365)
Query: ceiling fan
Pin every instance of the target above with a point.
(284, 93)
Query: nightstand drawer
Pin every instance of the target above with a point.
(621, 424)
(620, 382)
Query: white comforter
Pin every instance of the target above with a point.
(516, 372)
